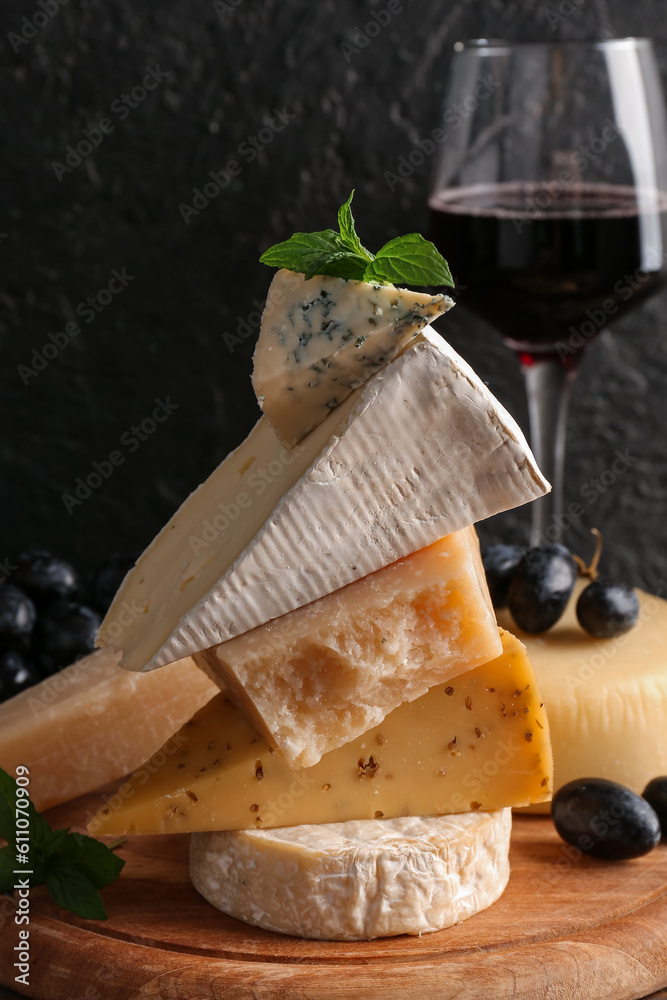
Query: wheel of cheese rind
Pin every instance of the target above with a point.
(357, 880)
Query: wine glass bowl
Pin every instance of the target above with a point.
(549, 199)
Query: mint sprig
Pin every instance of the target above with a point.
(73, 866)
(348, 233)
(406, 260)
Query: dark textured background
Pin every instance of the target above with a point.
(163, 335)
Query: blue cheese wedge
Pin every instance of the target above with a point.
(323, 337)
(420, 451)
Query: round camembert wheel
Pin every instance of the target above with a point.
(358, 880)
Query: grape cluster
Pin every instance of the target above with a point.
(49, 615)
(537, 583)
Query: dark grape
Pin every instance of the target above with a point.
(64, 632)
(605, 819)
(541, 587)
(17, 615)
(16, 673)
(45, 577)
(655, 794)
(500, 562)
(607, 608)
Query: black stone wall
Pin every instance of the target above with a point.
(335, 119)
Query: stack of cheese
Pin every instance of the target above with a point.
(354, 776)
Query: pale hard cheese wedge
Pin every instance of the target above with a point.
(477, 742)
(325, 673)
(606, 698)
(359, 880)
(323, 337)
(93, 723)
(422, 450)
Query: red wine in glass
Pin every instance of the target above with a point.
(548, 200)
(550, 278)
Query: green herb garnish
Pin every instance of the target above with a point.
(74, 867)
(407, 260)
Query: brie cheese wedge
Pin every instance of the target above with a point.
(418, 452)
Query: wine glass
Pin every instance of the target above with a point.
(549, 200)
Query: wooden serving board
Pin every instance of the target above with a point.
(566, 928)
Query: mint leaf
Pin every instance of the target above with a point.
(7, 824)
(348, 232)
(93, 858)
(9, 866)
(6, 869)
(7, 807)
(71, 888)
(343, 264)
(73, 865)
(53, 843)
(307, 253)
(39, 829)
(409, 260)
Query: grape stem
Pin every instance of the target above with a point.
(591, 570)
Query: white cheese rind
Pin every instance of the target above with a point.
(323, 337)
(420, 451)
(358, 880)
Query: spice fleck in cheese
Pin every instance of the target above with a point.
(478, 742)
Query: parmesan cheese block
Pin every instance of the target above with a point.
(420, 451)
(325, 673)
(323, 337)
(359, 880)
(606, 698)
(93, 723)
(478, 742)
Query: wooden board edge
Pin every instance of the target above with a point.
(624, 960)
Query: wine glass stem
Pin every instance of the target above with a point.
(548, 384)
